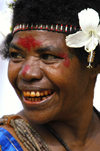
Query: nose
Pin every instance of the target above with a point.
(31, 70)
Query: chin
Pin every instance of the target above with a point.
(40, 117)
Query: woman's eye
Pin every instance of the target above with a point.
(16, 55)
(49, 57)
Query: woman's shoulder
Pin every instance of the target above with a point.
(19, 128)
(8, 138)
(5, 123)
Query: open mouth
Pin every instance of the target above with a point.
(37, 96)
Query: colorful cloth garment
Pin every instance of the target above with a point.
(8, 142)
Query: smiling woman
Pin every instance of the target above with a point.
(53, 65)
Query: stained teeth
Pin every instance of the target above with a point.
(42, 94)
(44, 98)
(32, 99)
(32, 94)
(35, 99)
(24, 93)
(28, 94)
(29, 99)
(36, 96)
(46, 92)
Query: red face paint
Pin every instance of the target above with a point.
(28, 42)
(67, 60)
(26, 68)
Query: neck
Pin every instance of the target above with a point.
(79, 123)
(83, 124)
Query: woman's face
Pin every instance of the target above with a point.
(46, 76)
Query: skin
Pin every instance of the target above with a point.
(28, 42)
(66, 58)
(70, 110)
(25, 70)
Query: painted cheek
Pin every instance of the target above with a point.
(66, 59)
(28, 42)
(25, 69)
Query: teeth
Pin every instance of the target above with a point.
(46, 92)
(29, 99)
(42, 94)
(28, 94)
(36, 99)
(44, 98)
(32, 94)
(33, 99)
(24, 93)
(36, 94)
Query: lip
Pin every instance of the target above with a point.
(22, 86)
(32, 104)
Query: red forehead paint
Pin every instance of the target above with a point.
(25, 69)
(67, 60)
(28, 42)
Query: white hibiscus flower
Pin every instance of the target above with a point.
(89, 35)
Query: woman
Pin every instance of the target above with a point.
(53, 67)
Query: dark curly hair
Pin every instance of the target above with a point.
(51, 12)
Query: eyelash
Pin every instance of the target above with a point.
(15, 55)
(44, 56)
(50, 57)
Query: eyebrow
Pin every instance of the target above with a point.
(39, 50)
(48, 48)
(15, 47)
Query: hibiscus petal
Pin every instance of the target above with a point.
(88, 19)
(98, 31)
(91, 44)
(77, 40)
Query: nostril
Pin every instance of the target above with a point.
(29, 81)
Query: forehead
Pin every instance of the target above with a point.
(44, 37)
